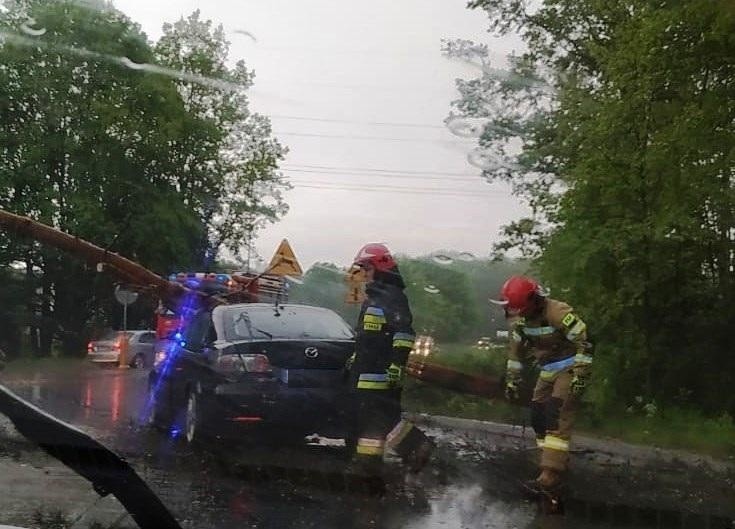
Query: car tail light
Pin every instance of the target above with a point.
(230, 363)
(90, 347)
(256, 363)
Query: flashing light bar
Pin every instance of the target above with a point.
(185, 277)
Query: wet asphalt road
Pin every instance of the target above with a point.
(466, 485)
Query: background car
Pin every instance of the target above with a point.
(255, 367)
(107, 349)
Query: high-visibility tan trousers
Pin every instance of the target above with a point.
(552, 415)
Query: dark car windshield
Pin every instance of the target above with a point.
(290, 323)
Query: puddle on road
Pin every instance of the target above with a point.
(604, 515)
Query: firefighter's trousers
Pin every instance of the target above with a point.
(552, 415)
(380, 426)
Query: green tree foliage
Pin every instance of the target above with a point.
(441, 300)
(243, 160)
(140, 149)
(626, 154)
(448, 301)
(325, 286)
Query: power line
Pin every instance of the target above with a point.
(376, 123)
(397, 189)
(477, 178)
(374, 138)
(377, 170)
(409, 188)
(379, 190)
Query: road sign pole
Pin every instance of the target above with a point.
(123, 358)
(125, 298)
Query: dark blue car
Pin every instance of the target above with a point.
(254, 368)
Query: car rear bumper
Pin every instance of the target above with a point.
(232, 407)
(105, 357)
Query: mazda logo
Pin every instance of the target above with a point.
(311, 352)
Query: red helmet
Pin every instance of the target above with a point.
(519, 295)
(377, 255)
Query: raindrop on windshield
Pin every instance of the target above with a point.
(442, 259)
(431, 289)
(467, 127)
(33, 32)
(465, 256)
(488, 162)
(132, 64)
(246, 33)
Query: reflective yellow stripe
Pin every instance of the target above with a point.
(370, 384)
(556, 443)
(514, 365)
(548, 375)
(539, 442)
(399, 433)
(372, 326)
(580, 358)
(370, 447)
(368, 318)
(403, 343)
(575, 331)
(516, 337)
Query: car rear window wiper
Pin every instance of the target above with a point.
(246, 320)
(269, 335)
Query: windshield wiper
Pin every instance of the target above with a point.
(261, 331)
(108, 472)
(249, 325)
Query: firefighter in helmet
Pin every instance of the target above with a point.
(384, 339)
(556, 337)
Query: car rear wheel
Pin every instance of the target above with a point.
(192, 421)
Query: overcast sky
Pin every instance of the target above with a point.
(358, 91)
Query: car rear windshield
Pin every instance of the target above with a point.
(290, 323)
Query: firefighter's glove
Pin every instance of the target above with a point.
(578, 385)
(513, 386)
(396, 374)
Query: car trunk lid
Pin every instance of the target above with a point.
(302, 363)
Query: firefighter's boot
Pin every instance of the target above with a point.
(418, 459)
(548, 480)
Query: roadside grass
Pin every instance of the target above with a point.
(469, 359)
(668, 428)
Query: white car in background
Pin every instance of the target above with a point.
(140, 350)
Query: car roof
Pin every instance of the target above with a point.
(283, 306)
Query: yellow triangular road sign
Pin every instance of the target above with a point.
(284, 262)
